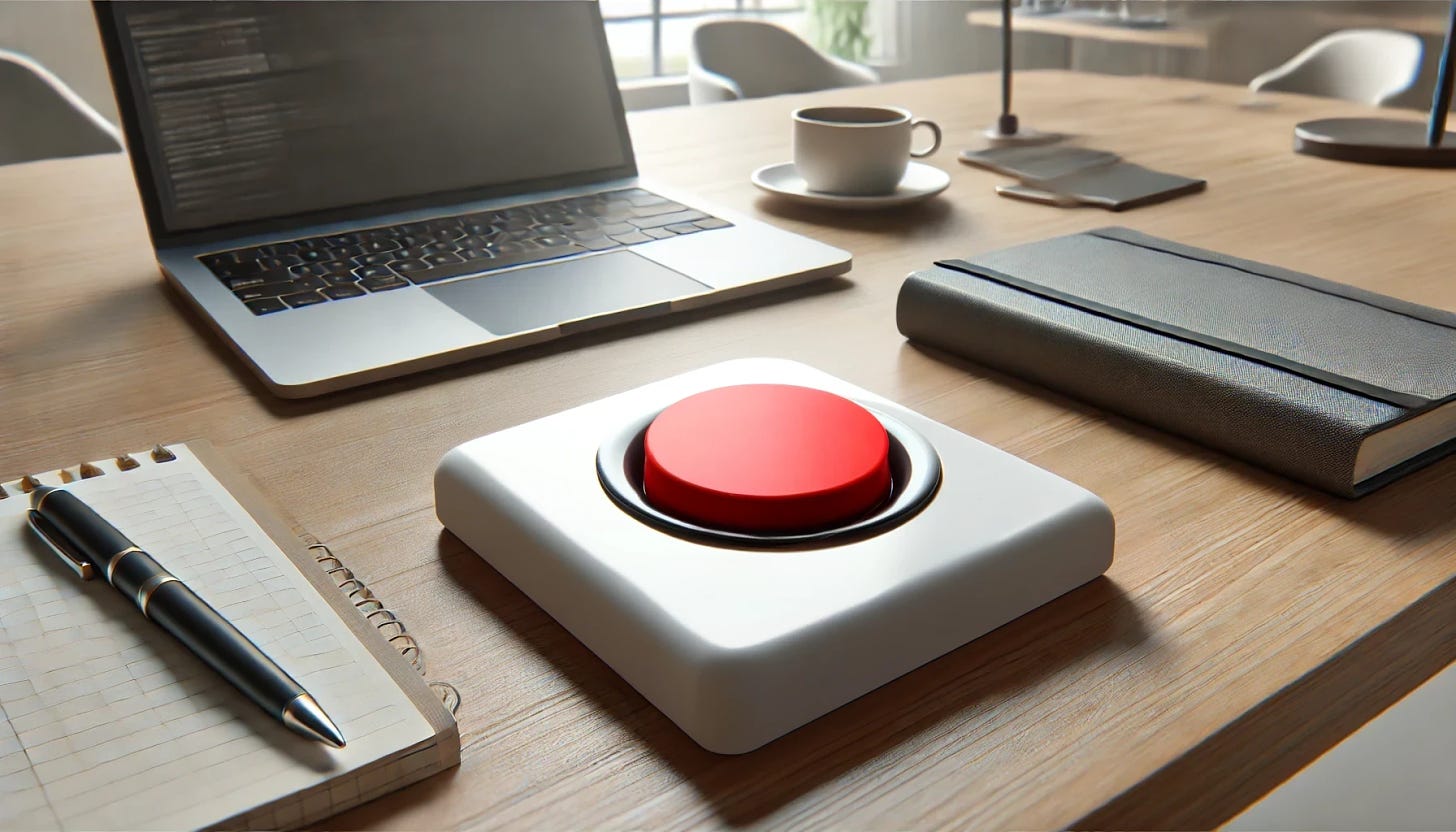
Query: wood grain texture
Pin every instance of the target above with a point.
(1246, 624)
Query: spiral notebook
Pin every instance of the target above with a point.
(106, 722)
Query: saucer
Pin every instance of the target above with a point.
(921, 182)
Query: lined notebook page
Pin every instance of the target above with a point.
(106, 722)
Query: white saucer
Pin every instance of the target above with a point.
(921, 182)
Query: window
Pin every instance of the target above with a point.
(649, 38)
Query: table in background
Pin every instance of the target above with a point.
(1247, 623)
(1083, 24)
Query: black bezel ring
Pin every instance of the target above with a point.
(914, 478)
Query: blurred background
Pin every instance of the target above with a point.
(1231, 41)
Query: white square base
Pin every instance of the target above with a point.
(739, 646)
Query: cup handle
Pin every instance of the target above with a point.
(934, 129)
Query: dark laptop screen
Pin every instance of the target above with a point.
(254, 110)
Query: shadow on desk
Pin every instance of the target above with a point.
(930, 216)
(968, 685)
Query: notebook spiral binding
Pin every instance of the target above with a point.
(379, 615)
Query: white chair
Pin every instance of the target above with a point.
(732, 59)
(1371, 66)
(42, 118)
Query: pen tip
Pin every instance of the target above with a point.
(305, 716)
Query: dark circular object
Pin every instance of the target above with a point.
(1374, 141)
(915, 474)
(766, 458)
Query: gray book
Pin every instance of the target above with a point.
(1335, 386)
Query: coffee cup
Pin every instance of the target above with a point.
(856, 151)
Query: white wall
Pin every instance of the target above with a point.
(60, 35)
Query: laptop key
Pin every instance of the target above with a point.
(667, 219)
(303, 299)
(680, 228)
(383, 284)
(341, 278)
(258, 278)
(346, 251)
(266, 290)
(374, 271)
(660, 233)
(552, 240)
(343, 291)
(654, 210)
(632, 238)
(599, 244)
(711, 223)
(264, 306)
(441, 258)
(375, 259)
(309, 283)
(407, 266)
(618, 228)
(498, 262)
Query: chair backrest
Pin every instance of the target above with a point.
(42, 118)
(751, 59)
(1371, 66)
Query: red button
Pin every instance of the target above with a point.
(766, 458)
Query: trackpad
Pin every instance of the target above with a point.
(550, 293)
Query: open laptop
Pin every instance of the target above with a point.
(352, 191)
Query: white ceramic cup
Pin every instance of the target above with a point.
(860, 151)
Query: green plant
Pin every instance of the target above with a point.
(839, 27)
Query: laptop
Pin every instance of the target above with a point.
(350, 191)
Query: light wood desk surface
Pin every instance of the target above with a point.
(1246, 624)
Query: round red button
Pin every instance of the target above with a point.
(766, 458)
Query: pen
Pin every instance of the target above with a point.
(90, 546)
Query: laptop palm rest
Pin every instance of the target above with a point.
(551, 293)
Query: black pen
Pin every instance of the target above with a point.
(90, 546)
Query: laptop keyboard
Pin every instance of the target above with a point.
(304, 272)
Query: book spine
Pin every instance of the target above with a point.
(1046, 343)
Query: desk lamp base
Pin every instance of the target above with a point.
(1007, 133)
(1374, 141)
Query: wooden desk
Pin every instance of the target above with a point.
(1246, 625)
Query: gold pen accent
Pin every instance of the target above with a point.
(161, 454)
(126, 463)
(88, 470)
(115, 559)
(3, 492)
(29, 483)
(57, 543)
(41, 501)
(67, 477)
(144, 592)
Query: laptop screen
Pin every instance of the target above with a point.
(258, 110)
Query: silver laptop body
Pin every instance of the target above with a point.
(302, 145)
